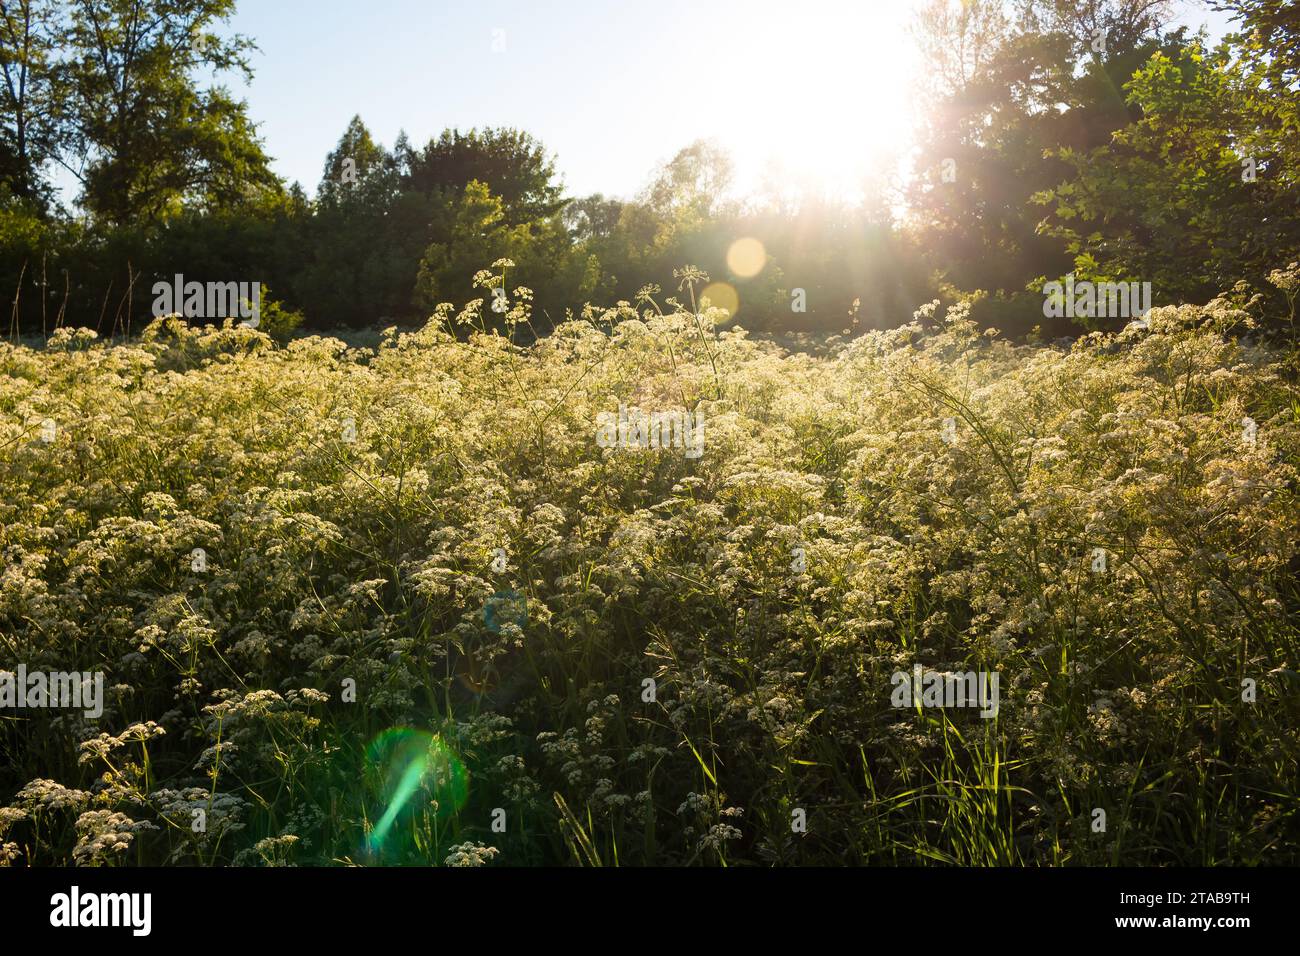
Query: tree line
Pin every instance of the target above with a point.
(1084, 137)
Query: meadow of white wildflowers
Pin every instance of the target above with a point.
(436, 621)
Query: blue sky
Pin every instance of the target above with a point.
(591, 79)
(612, 87)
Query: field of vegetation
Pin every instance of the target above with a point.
(398, 605)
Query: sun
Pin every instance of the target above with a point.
(820, 99)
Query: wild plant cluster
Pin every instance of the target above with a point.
(436, 622)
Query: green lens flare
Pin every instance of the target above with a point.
(410, 771)
(505, 607)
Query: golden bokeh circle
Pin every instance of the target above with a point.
(746, 258)
(721, 295)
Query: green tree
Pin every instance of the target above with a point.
(358, 171)
(693, 184)
(514, 166)
(1010, 96)
(1105, 28)
(146, 139)
(593, 217)
(1268, 42)
(1202, 191)
(29, 103)
(1271, 31)
(475, 232)
(364, 240)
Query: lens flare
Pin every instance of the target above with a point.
(721, 295)
(408, 771)
(746, 258)
(505, 607)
